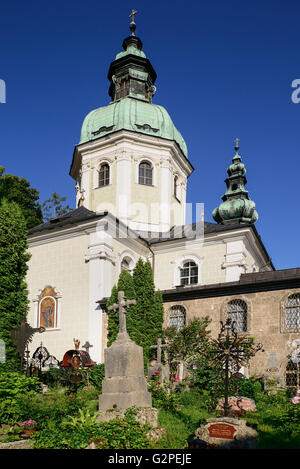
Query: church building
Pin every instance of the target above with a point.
(131, 170)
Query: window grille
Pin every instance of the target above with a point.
(292, 312)
(189, 273)
(145, 173)
(104, 175)
(292, 375)
(237, 311)
(177, 317)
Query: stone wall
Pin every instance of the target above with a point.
(264, 322)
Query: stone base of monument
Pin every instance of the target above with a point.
(124, 384)
(227, 433)
(144, 415)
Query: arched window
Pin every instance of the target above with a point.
(48, 308)
(292, 312)
(292, 373)
(177, 317)
(125, 264)
(104, 175)
(122, 89)
(145, 173)
(189, 273)
(237, 311)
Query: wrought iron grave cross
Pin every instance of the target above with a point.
(121, 305)
(22, 335)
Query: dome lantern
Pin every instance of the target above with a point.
(131, 73)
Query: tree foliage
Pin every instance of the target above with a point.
(18, 190)
(189, 344)
(54, 207)
(145, 319)
(13, 268)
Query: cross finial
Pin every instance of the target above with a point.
(237, 141)
(132, 24)
(122, 304)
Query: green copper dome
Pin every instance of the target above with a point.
(134, 115)
(237, 207)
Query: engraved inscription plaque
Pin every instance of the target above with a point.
(222, 430)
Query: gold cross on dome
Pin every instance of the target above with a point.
(132, 14)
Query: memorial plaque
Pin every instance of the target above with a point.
(222, 430)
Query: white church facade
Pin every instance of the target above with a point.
(131, 174)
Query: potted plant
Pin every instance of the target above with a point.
(29, 426)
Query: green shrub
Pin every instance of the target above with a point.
(249, 387)
(56, 377)
(163, 395)
(124, 433)
(14, 387)
(50, 408)
(80, 423)
(52, 377)
(96, 375)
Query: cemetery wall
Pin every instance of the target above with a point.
(265, 322)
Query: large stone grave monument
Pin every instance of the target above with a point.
(124, 384)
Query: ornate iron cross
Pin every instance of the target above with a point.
(22, 335)
(120, 306)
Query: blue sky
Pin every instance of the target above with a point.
(224, 70)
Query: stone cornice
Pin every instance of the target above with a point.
(107, 141)
(229, 289)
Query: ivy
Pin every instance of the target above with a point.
(13, 269)
(145, 319)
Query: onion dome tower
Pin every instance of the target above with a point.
(131, 90)
(131, 160)
(237, 207)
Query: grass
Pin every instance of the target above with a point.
(181, 424)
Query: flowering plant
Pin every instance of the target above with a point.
(163, 396)
(296, 399)
(28, 424)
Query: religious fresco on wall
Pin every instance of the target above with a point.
(47, 310)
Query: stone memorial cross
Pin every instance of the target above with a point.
(121, 305)
(87, 346)
(159, 347)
